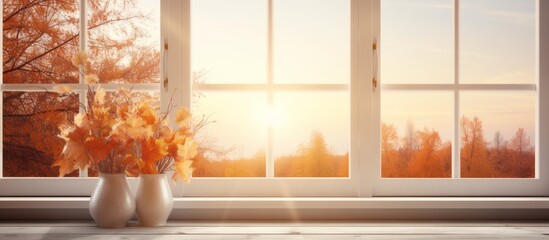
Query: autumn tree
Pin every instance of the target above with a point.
(313, 159)
(520, 143)
(410, 143)
(40, 37)
(474, 158)
(389, 146)
(430, 160)
(499, 155)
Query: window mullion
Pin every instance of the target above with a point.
(456, 167)
(270, 95)
(83, 24)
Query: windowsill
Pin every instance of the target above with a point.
(300, 208)
(301, 202)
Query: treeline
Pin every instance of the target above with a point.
(313, 159)
(422, 153)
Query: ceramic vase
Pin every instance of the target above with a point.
(154, 200)
(112, 203)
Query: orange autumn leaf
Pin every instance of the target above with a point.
(167, 134)
(65, 165)
(147, 113)
(182, 117)
(183, 170)
(174, 145)
(99, 148)
(188, 150)
(123, 111)
(147, 168)
(74, 155)
(153, 150)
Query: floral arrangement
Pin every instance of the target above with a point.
(127, 136)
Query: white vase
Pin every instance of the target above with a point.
(112, 203)
(154, 200)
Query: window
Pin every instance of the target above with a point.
(302, 98)
(458, 97)
(278, 98)
(39, 39)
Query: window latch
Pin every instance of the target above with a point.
(374, 66)
(164, 62)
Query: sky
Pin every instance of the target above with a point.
(497, 45)
(311, 44)
(307, 50)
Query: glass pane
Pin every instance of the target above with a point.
(416, 134)
(417, 41)
(312, 41)
(229, 41)
(497, 41)
(497, 132)
(125, 40)
(311, 134)
(30, 141)
(233, 143)
(39, 40)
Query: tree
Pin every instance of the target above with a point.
(433, 159)
(40, 37)
(313, 159)
(499, 156)
(408, 150)
(389, 145)
(474, 158)
(521, 144)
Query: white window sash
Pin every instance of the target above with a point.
(456, 186)
(365, 180)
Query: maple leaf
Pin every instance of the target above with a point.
(183, 170)
(74, 155)
(147, 168)
(188, 150)
(182, 117)
(100, 96)
(65, 165)
(153, 150)
(79, 59)
(99, 148)
(147, 113)
(91, 79)
(81, 120)
(167, 134)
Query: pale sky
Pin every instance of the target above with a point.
(229, 41)
(311, 45)
(497, 45)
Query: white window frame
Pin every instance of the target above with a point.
(36, 186)
(456, 186)
(365, 179)
(271, 186)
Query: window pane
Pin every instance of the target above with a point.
(30, 141)
(497, 41)
(497, 134)
(229, 40)
(417, 41)
(125, 40)
(233, 144)
(416, 134)
(312, 41)
(39, 40)
(311, 134)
